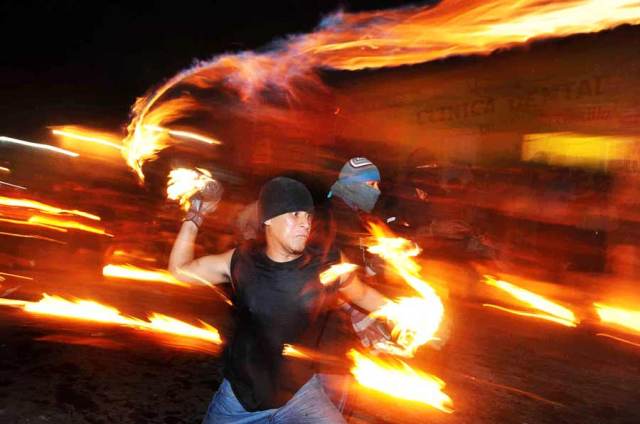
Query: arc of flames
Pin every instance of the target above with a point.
(184, 183)
(353, 41)
(416, 319)
(89, 310)
(402, 382)
(552, 311)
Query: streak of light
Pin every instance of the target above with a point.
(183, 134)
(43, 207)
(38, 146)
(13, 185)
(22, 277)
(87, 138)
(131, 272)
(553, 311)
(32, 236)
(620, 339)
(209, 284)
(89, 310)
(34, 224)
(531, 315)
(68, 224)
(627, 318)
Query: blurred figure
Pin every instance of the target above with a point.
(278, 299)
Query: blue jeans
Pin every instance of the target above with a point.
(309, 405)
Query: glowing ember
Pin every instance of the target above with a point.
(184, 183)
(375, 39)
(416, 320)
(88, 310)
(131, 272)
(336, 271)
(38, 146)
(626, 318)
(552, 311)
(86, 135)
(5, 169)
(42, 207)
(401, 382)
(74, 225)
(293, 352)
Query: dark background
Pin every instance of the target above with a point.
(73, 61)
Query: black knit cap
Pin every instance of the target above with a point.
(282, 195)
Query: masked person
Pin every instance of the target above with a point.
(352, 198)
(278, 299)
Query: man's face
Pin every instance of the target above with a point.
(291, 230)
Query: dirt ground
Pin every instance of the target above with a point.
(499, 368)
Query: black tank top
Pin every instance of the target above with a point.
(274, 304)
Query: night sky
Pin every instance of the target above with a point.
(85, 62)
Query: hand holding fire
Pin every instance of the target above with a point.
(196, 191)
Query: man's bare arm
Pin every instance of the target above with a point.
(207, 270)
(362, 295)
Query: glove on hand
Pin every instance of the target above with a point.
(203, 202)
(370, 331)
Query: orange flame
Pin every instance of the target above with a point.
(552, 311)
(336, 271)
(131, 272)
(42, 207)
(626, 318)
(184, 183)
(401, 382)
(416, 319)
(374, 39)
(89, 310)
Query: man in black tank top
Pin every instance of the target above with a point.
(278, 299)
